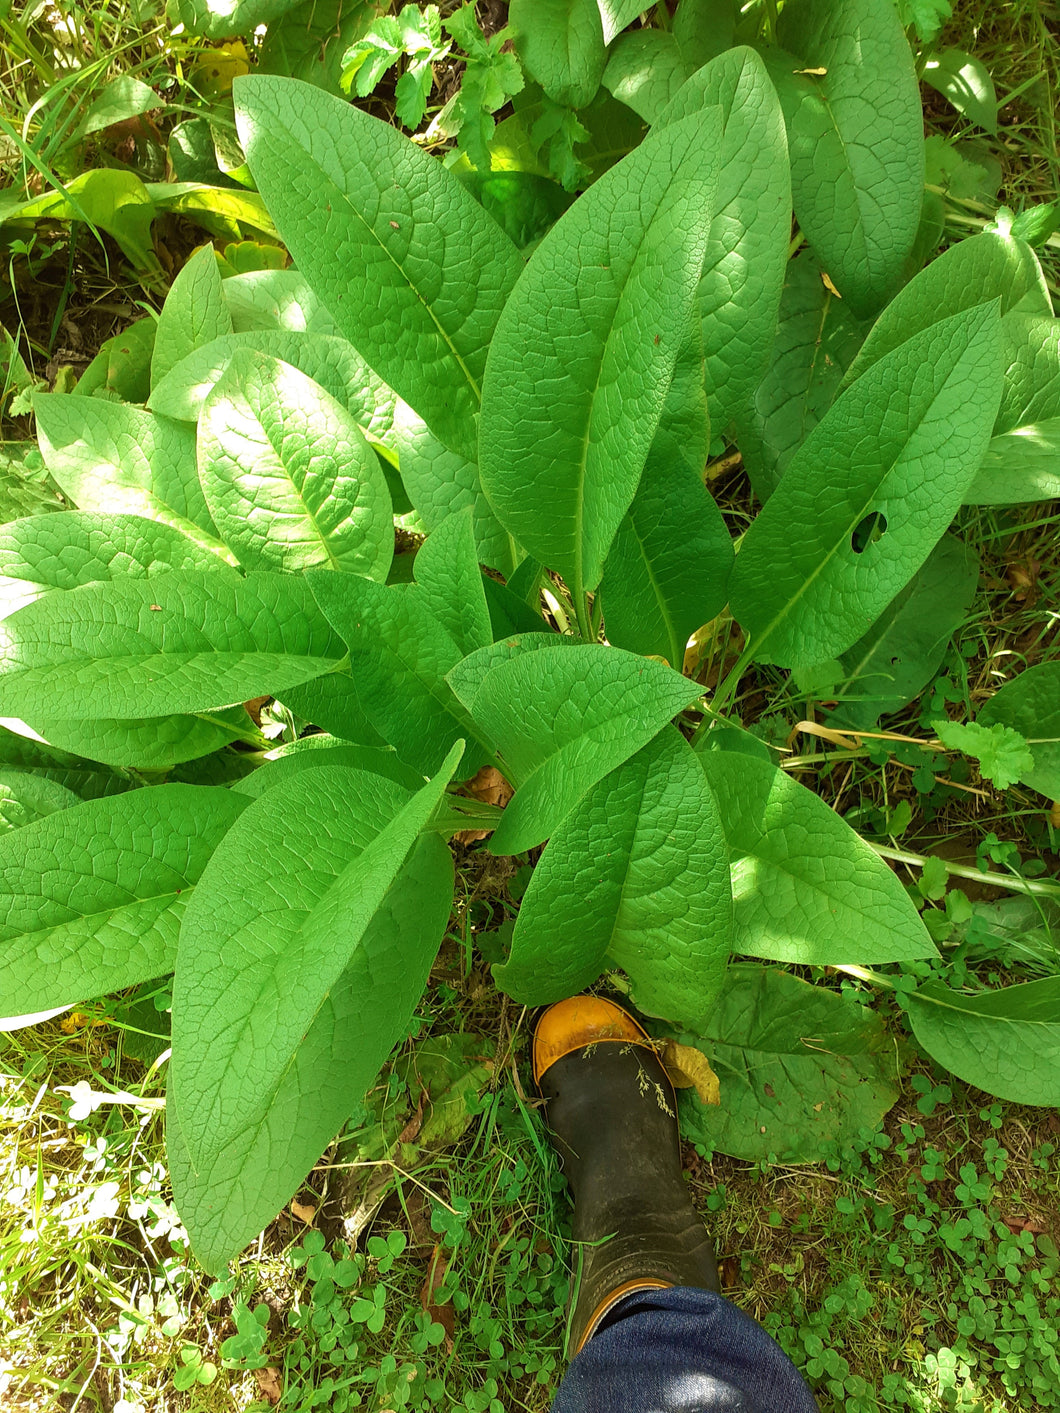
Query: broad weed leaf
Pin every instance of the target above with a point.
(120, 460)
(855, 134)
(227, 1198)
(578, 372)
(1006, 1042)
(450, 582)
(1030, 704)
(806, 888)
(328, 359)
(296, 922)
(289, 478)
(430, 270)
(194, 313)
(637, 874)
(562, 718)
(802, 1069)
(871, 490)
(561, 44)
(184, 641)
(91, 898)
(747, 248)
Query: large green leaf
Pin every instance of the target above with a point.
(44, 553)
(313, 752)
(331, 702)
(801, 1070)
(637, 874)
(227, 1199)
(91, 897)
(1022, 462)
(295, 918)
(974, 271)
(561, 719)
(1006, 1042)
(123, 364)
(184, 641)
(856, 138)
(276, 299)
(194, 313)
(895, 453)
(899, 654)
(816, 340)
(399, 655)
(585, 350)
(561, 44)
(412, 268)
(152, 742)
(440, 482)
(289, 478)
(26, 797)
(328, 359)
(1030, 704)
(309, 41)
(747, 249)
(115, 201)
(645, 69)
(450, 582)
(805, 887)
(121, 460)
(668, 569)
(89, 780)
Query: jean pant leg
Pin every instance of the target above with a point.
(682, 1351)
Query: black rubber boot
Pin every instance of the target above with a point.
(612, 1112)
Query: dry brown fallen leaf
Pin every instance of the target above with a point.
(270, 1382)
(489, 786)
(689, 1068)
(829, 286)
(1054, 815)
(443, 1315)
(304, 1211)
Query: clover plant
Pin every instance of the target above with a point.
(543, 415)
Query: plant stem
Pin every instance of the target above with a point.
(581, 609)
(727, 689)
(1012, 882)
(876, 978)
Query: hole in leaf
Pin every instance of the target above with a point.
(868, 531)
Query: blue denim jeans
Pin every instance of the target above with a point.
(682, 1351)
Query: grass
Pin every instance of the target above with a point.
(424, 1264)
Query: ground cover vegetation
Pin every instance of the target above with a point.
(643, 476)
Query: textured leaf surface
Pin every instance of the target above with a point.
(899, 654)
(585, 349)
(227, 1199)
(668, 570)
(468, 675)
(563, 717)
(855, 134)
(636, 874)
(313, 752)
(450, 582)
(805, 887)
(747, 248)
(328, 359)
(399, 655)
(153, 742)
(972, 272)
(816, 340)
(645, 69)
(289, 478)
(194, 313)
(275, 299)
(903, 443)
(1022, 462)
(89, 780)
(350, 194)
(561, 44)
(91, 897)
(802, 1069)
(43, 553)
(109, 457)
(331, 702)
(441, 482)
(1003, 754)
(616, 15)
(1030, 704)
(1006, 1042)
(292, 922)
(219, 19)
(26, 797)
(183, 641)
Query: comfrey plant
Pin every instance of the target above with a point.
(545, 413)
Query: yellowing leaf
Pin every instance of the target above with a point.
(689, 1068)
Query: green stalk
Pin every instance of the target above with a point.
(1012, 882)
